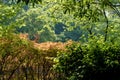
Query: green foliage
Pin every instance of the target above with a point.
(46, 15)
(95, 60)
(29, 1)
(46, 21)
(37, 21)
(9, 17)
(75, 28)
(88, 9)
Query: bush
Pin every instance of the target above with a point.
(95, 60)
(14, 54)
(20, 59)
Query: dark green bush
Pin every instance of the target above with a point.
(95, 60)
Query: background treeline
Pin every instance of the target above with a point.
(49, 21)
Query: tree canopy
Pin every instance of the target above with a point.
(91, 9)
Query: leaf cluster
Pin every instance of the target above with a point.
(29, 1)
(95, 60)
(89, 9)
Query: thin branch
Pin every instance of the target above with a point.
(114, 8)
(116, 5)
(107, 22)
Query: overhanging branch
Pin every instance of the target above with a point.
(107, 24)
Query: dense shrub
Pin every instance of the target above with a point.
(21, 60)
(14, 54)
(95, 60)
